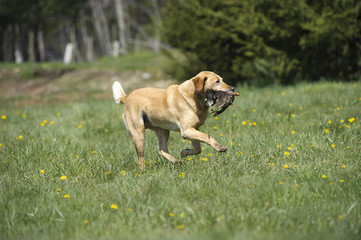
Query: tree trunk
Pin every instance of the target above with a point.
(41, 46)
(119, 6)
(31, 46)
(158, 22)
(101, 26)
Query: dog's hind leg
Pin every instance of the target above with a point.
(194, 151)
(163, 136)
(135, 127)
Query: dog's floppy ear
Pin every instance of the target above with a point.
(199, 83)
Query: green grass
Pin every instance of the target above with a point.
(246, 193)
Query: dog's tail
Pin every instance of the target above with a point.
(118, 93)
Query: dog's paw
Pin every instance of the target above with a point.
(220, 148)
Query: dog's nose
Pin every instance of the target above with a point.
(233, 88)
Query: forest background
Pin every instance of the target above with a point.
(259, 42)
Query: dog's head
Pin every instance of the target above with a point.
(208, 83)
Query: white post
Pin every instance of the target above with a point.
(68, 53)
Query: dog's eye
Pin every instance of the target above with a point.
(218, 81)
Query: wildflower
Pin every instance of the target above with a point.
(342, 121)
(181, 215)
(19, 138)
(293, 115)
(189, 158)
(107, 172)
(231, 143)
(63, 178)
(130, 210)
(340, 217)
(171, 214)
(282, 93)
(326, 130)
(85, 221)
(342, 181)
(67, 196)
(324, 176)
(0, 144)
(79, 126)
(58, 190)
(94, 152)
(3, 117)
(234, 115)
(279, 146)
(287, 153)
(42, 171)
(297, 185)
(44, 139)
(343, 166)
(291, 104)
(216, 118)
(285, 166)
(333, 145)
(254, 123)
(114, 206)
(205, 159)
(58, 114)
(215, 128)
(42, 124)
(281, 183)
(221, 134)
(329, 122)
(51, 122)
(181, 175)
(180, 227)
(293, 132)
(123, 173)
(351, 120)
(254, 110)
(289, 148)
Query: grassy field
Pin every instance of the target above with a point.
(292, 171)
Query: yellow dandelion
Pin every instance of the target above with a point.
(340, 217)
(205, 159)
(94, 152)
(58, 190)
(289, 148)
(286, 153)
(291, 104)
(293, 132)
(42, 124)
(234, 115)
(343, 166)
(282, 93)
(42, 171)
(254, 110)
(0, 145)
(189, 158)
(333, 145)
(107, 172)
(24, 116)
(171, 214)
(285, 166)
(231, 143)
(63, 178)
(85, 221)
(181, 175)
(338, 108)
(297, 185)
(80, 126)
(279, 114)
(114, 206)
(3, 117)
(244, 123)
(254, 123)
(216, 118)
(44, 139)
(19, 138)
(221, 134)
(51, 122)
(279, 146)
(181, 215)
(329, 122)
(130, 210)
(324, 176)
(215, 128)
(351, 120)
(342, 121)
(326, 130)
(66, 196)
(180, 227)
(293, 115)
(342, 181)
(123, 173)
(45, 121)
(281, 183)
(58, 114)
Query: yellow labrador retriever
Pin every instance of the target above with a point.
(181, 108)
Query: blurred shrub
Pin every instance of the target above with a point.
(264, 41)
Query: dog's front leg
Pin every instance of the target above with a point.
(194, 151)
(193, 134)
